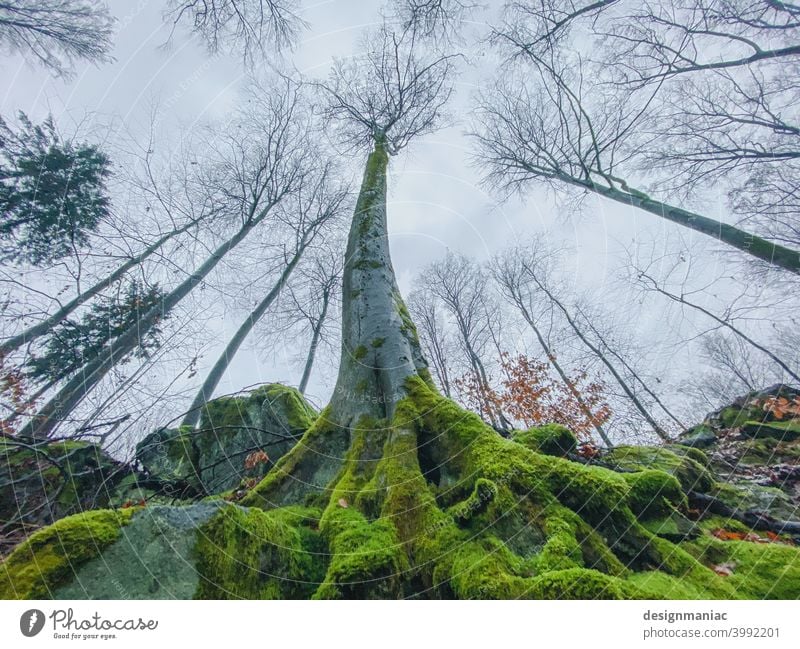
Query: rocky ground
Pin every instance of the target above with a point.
(714, 514)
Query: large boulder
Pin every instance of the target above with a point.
(42, 481)
(239, 438)
(211, 549)
(753, 445)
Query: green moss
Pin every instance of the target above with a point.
(562, 550)
(367, 559)
(251, 554)
(733, 416)
(660, 585)
(691, 452)
(760, 570)
(360, 352)
(50, 556)
(580, 583)
(378, 342)
(692, 475)
(785, 431)
(550, 439)
(234, 412)
(312, 463)
(652, 493)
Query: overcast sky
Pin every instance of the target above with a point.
(435, 201)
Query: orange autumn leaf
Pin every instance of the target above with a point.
(532, 395)
(254, 459)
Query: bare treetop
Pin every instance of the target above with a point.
(435, 19)
(390, 94)
(57, 33)
(253, 26)
(659, 40)
(547, 130)
(532, 28)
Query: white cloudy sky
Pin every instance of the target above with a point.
(436, 202)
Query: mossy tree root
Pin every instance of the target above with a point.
(434, 504)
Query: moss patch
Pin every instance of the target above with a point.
(550, 439)
(251, 554)
(50, 556)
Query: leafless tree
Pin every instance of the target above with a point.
(533, 279)
(510, 273)
(648, 281)
(379, 101)
(660, 40)
(252, 27)
(389, 94)
(321, 282)
(689, 95)
(435, 336)
(550, 134)
(57, 33)
(612, 346)
(264, 158)
(463, 290)
(433, 19)
(305, 214)
(732, 368)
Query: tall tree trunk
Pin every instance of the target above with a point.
(636, 377)
(315, 337)
(598, 352)
(682, 300)
(551, 357)
(218, 370)
(41, 328)
(380, 348)
(73, 392)
(751, 244)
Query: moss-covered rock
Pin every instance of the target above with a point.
(550, 439)
(169, 458)
(53, 555)
(41, 482)
(749, 497)
(211, 459)
(702, 436)
(782, 431)
(434, 504)
(690, 473)
(654, 493)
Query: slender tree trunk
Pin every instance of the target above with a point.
(622, 383)
(440, 365)
(32, 333)
(380, 349)
(551, 357)
(218, 370)
(749, 243)
(636, 377)
(682, 300)
(73, 392)
(315, 337)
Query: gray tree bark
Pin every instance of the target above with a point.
(73, 392)
(749, 243)
(380, 349)
(218, 370)
(32, 333)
